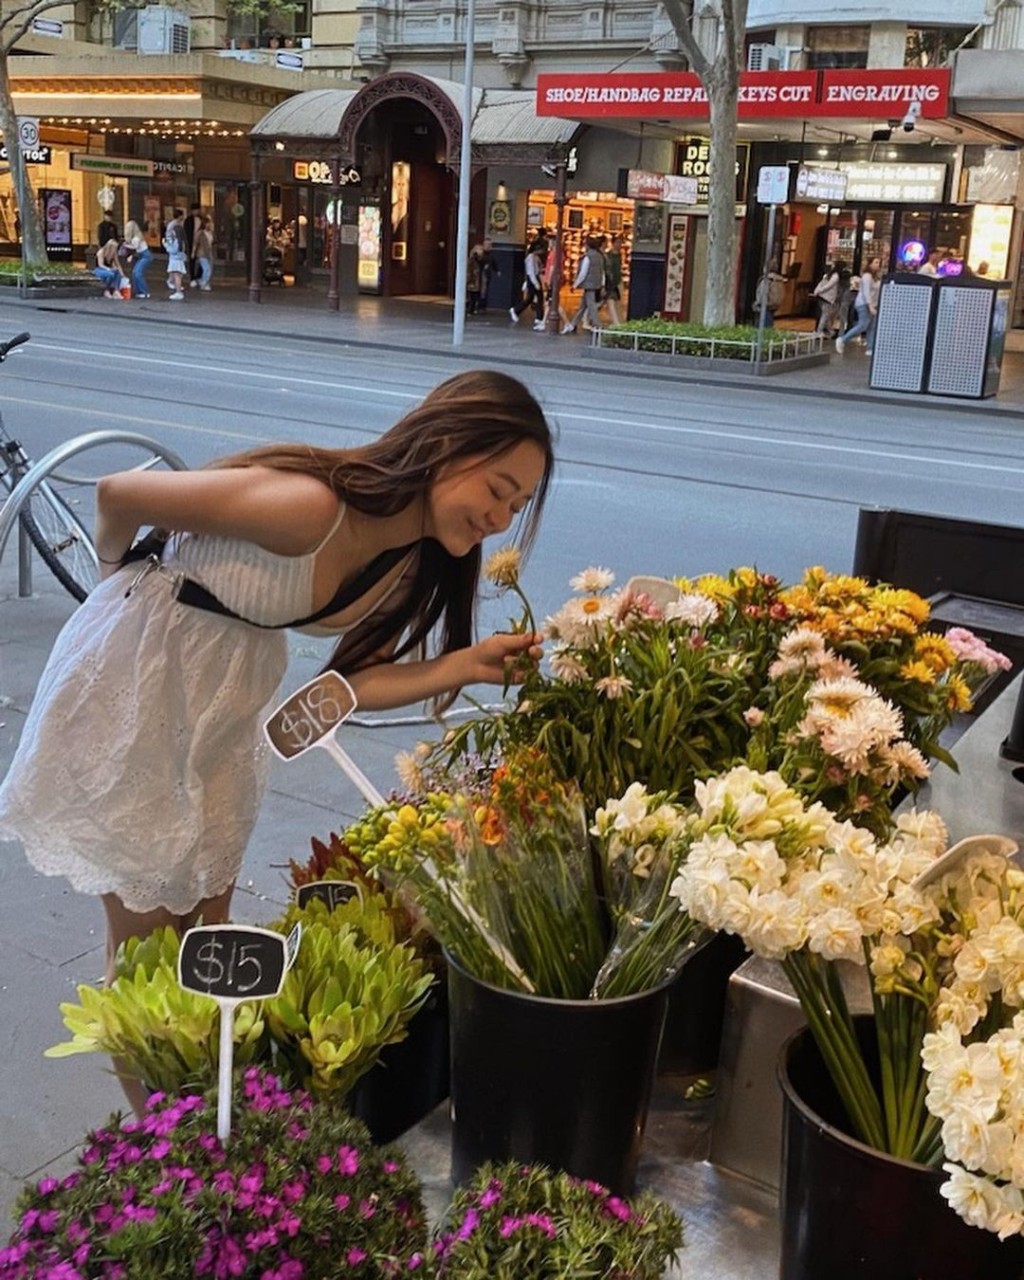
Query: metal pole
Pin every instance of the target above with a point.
(334, 231)
(763, 315)
(17, 160)
(553, 320)
(256, 231)
(465, 156)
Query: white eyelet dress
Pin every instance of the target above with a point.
(142, 763)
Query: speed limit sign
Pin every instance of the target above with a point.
(28, 132)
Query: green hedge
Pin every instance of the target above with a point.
(662, 329)
(45, 273)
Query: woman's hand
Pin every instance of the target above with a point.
(504, 658)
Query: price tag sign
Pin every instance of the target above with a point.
(310, 718)
(231, 963)
(331, 892)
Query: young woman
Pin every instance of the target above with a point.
(141, 767)
(108, 269)
(141, 256)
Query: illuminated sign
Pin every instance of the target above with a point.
(895, 183)
(119, 166)
(673, 189)
(814, 184)
(319, 171)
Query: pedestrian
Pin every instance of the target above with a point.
(613, 278)
(827, 293)
(141, 768)
(203, 249)
(849, 287)
(866, 307)
(589, 278)
(930, 266)
(533, 287)
(108, 268)
(140, 256)
(474, 278)
(489, 271)
(770, 291)
(191, 228)
(107, 230)
(177, 263)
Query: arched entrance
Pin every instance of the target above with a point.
(390, 152)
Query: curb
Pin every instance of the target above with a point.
(647, 372)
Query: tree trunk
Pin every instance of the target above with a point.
(33, 247)
(722, 85)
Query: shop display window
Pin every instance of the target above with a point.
(591, 213)
(837, 46)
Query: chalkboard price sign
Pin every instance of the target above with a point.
(232, 962)
(310, 713)
(332, 892)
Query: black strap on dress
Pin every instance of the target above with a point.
(193, 594)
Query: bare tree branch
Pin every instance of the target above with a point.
(680, 20)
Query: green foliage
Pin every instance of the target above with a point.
(351, 991)
(43, 272)
(514, 1221)
(298, 1191)
(162, 1034)
(659, 331)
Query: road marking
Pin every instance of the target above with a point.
(139, 421)
(780, 442)
(322, 384)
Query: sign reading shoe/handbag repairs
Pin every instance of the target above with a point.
(799, 94)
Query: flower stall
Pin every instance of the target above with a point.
(718, 757)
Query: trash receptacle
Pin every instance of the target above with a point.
(969, 333)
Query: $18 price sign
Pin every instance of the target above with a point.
(232, 963)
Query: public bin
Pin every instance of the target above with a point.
(940, 335)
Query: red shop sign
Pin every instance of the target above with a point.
(799, 94)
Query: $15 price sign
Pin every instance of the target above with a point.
(232, 963)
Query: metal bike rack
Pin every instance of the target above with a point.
(50, 465)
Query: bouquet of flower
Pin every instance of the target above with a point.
(526, 1221)
(805, 889)
(832, 682)
(503, 872)
(642, 841)
(298, 1192)
(975, 1055)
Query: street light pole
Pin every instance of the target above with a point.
(553, 319)
(465, 160)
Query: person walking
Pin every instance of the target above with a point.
(589, 278)
(107, 230)
(108, 268)
(191, 228)
(489, 270)
(177, 263)
(141, 764)
(533, 287)
(770, 291)
(474, 279)
(866, 307)
(613, 277)
(204, 254)
(827, 293)
(140, 256)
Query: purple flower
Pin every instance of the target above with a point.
(390, 1166)
(542, 1221)
(355, 1256)
(46, 1185)
(469, 1224)
(617, 1208)
(154, 1100)
(342, 1202)
(348, 1160)
(414, 1262)
(508, 1226)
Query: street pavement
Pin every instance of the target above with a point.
(52, 938)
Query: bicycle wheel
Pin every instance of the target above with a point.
(62, 541)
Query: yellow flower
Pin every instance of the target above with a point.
(917, 670)
(746, 576)
(935, 650)
(718, 588)
(898, 600)
(958, 695)
(502, 568)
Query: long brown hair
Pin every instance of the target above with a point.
(479, 414)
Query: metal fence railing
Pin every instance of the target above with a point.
(782, 345)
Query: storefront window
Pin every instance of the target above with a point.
(932, 46)
(837, 47)
(876, 237)
(841, 245)
(914, 241)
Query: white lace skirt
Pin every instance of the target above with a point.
(141, 766)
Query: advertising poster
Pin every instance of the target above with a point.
(368, 270)
(675, 264)
(56, 204)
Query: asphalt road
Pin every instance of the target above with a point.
(653, 476)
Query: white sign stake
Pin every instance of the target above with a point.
(233, 963)
(958, 854)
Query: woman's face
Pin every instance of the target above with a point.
(478, 496)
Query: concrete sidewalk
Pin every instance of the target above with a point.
(425, 325)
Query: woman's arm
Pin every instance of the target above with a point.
(282, 511)
(500, 658)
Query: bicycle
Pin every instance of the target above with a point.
(48, 521)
